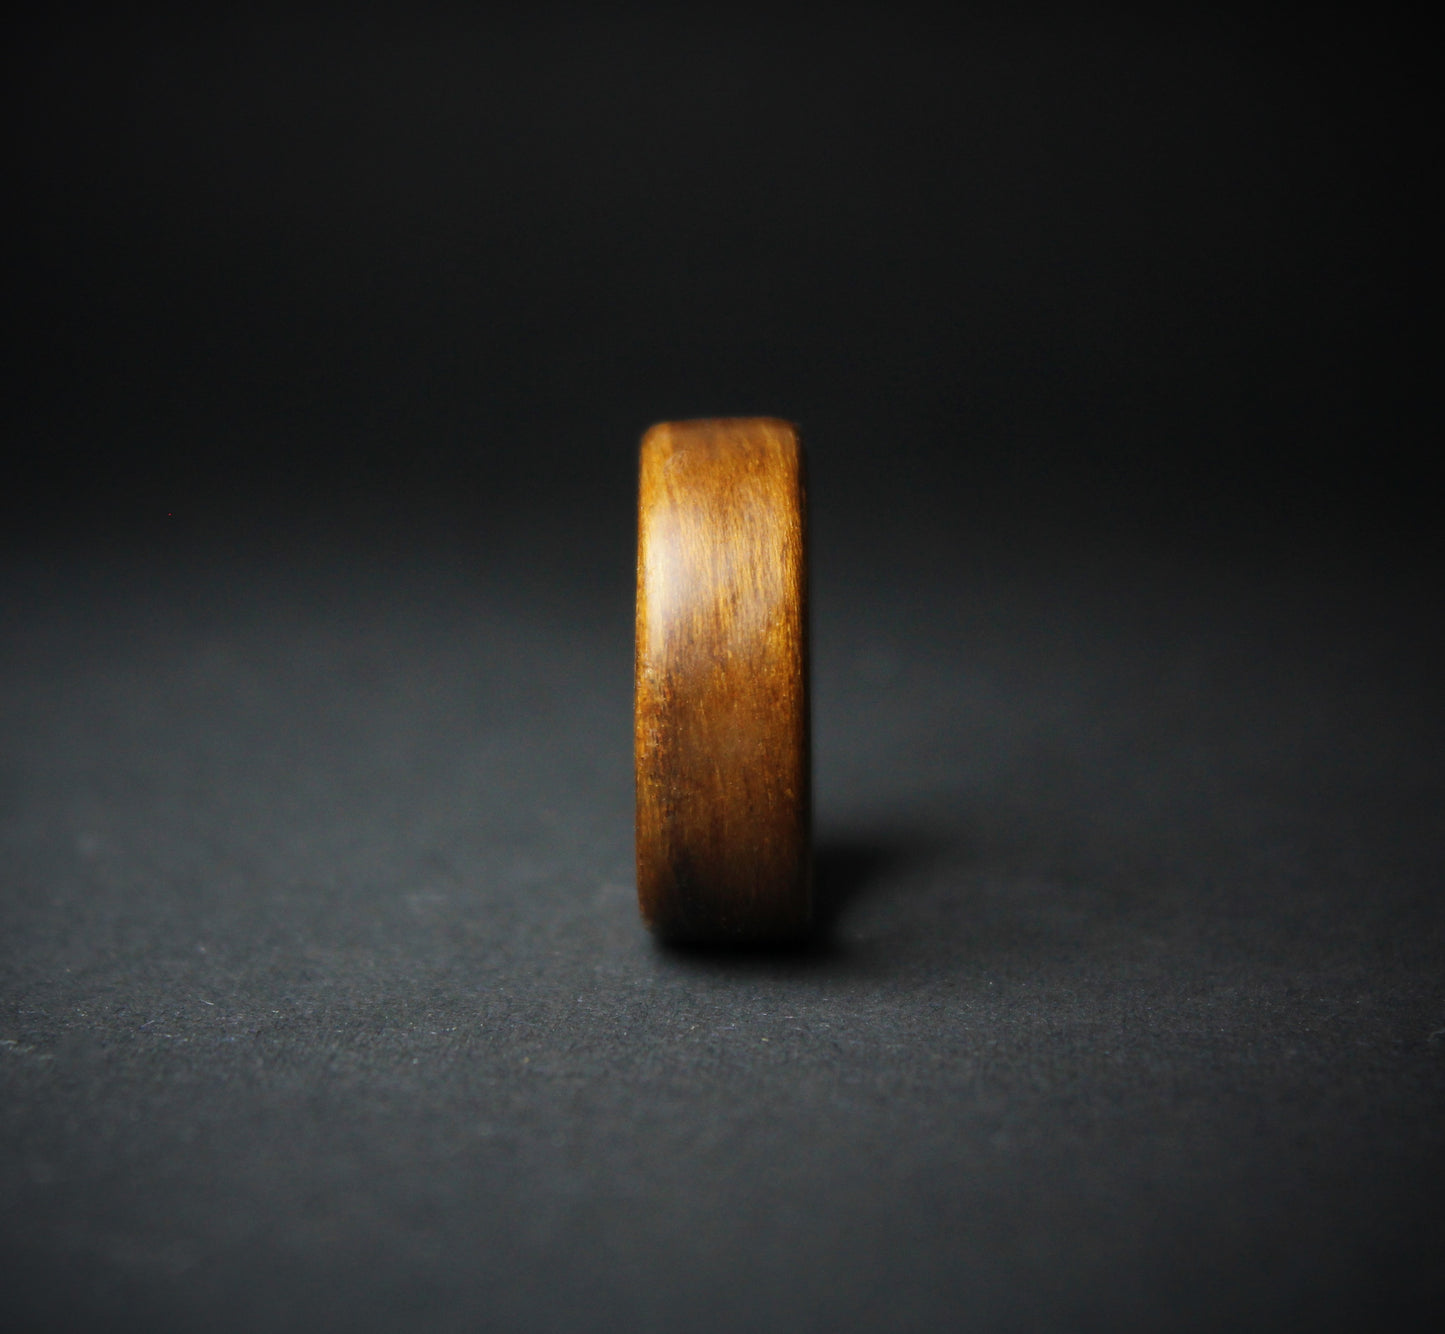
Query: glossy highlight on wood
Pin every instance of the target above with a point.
(724, 802)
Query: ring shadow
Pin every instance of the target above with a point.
(848, 866)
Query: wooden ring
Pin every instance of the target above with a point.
(724, 801)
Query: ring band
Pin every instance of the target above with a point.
(722, 744)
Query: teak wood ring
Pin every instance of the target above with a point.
(724, 802)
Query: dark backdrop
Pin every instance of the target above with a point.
(328, 343)
(1164, 266)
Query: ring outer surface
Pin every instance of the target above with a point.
(722, 719)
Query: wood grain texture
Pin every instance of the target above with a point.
(724, 803)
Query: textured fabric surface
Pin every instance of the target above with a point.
(326, 1004)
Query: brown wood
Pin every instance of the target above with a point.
(724, 818)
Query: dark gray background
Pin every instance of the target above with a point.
(323, 999)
